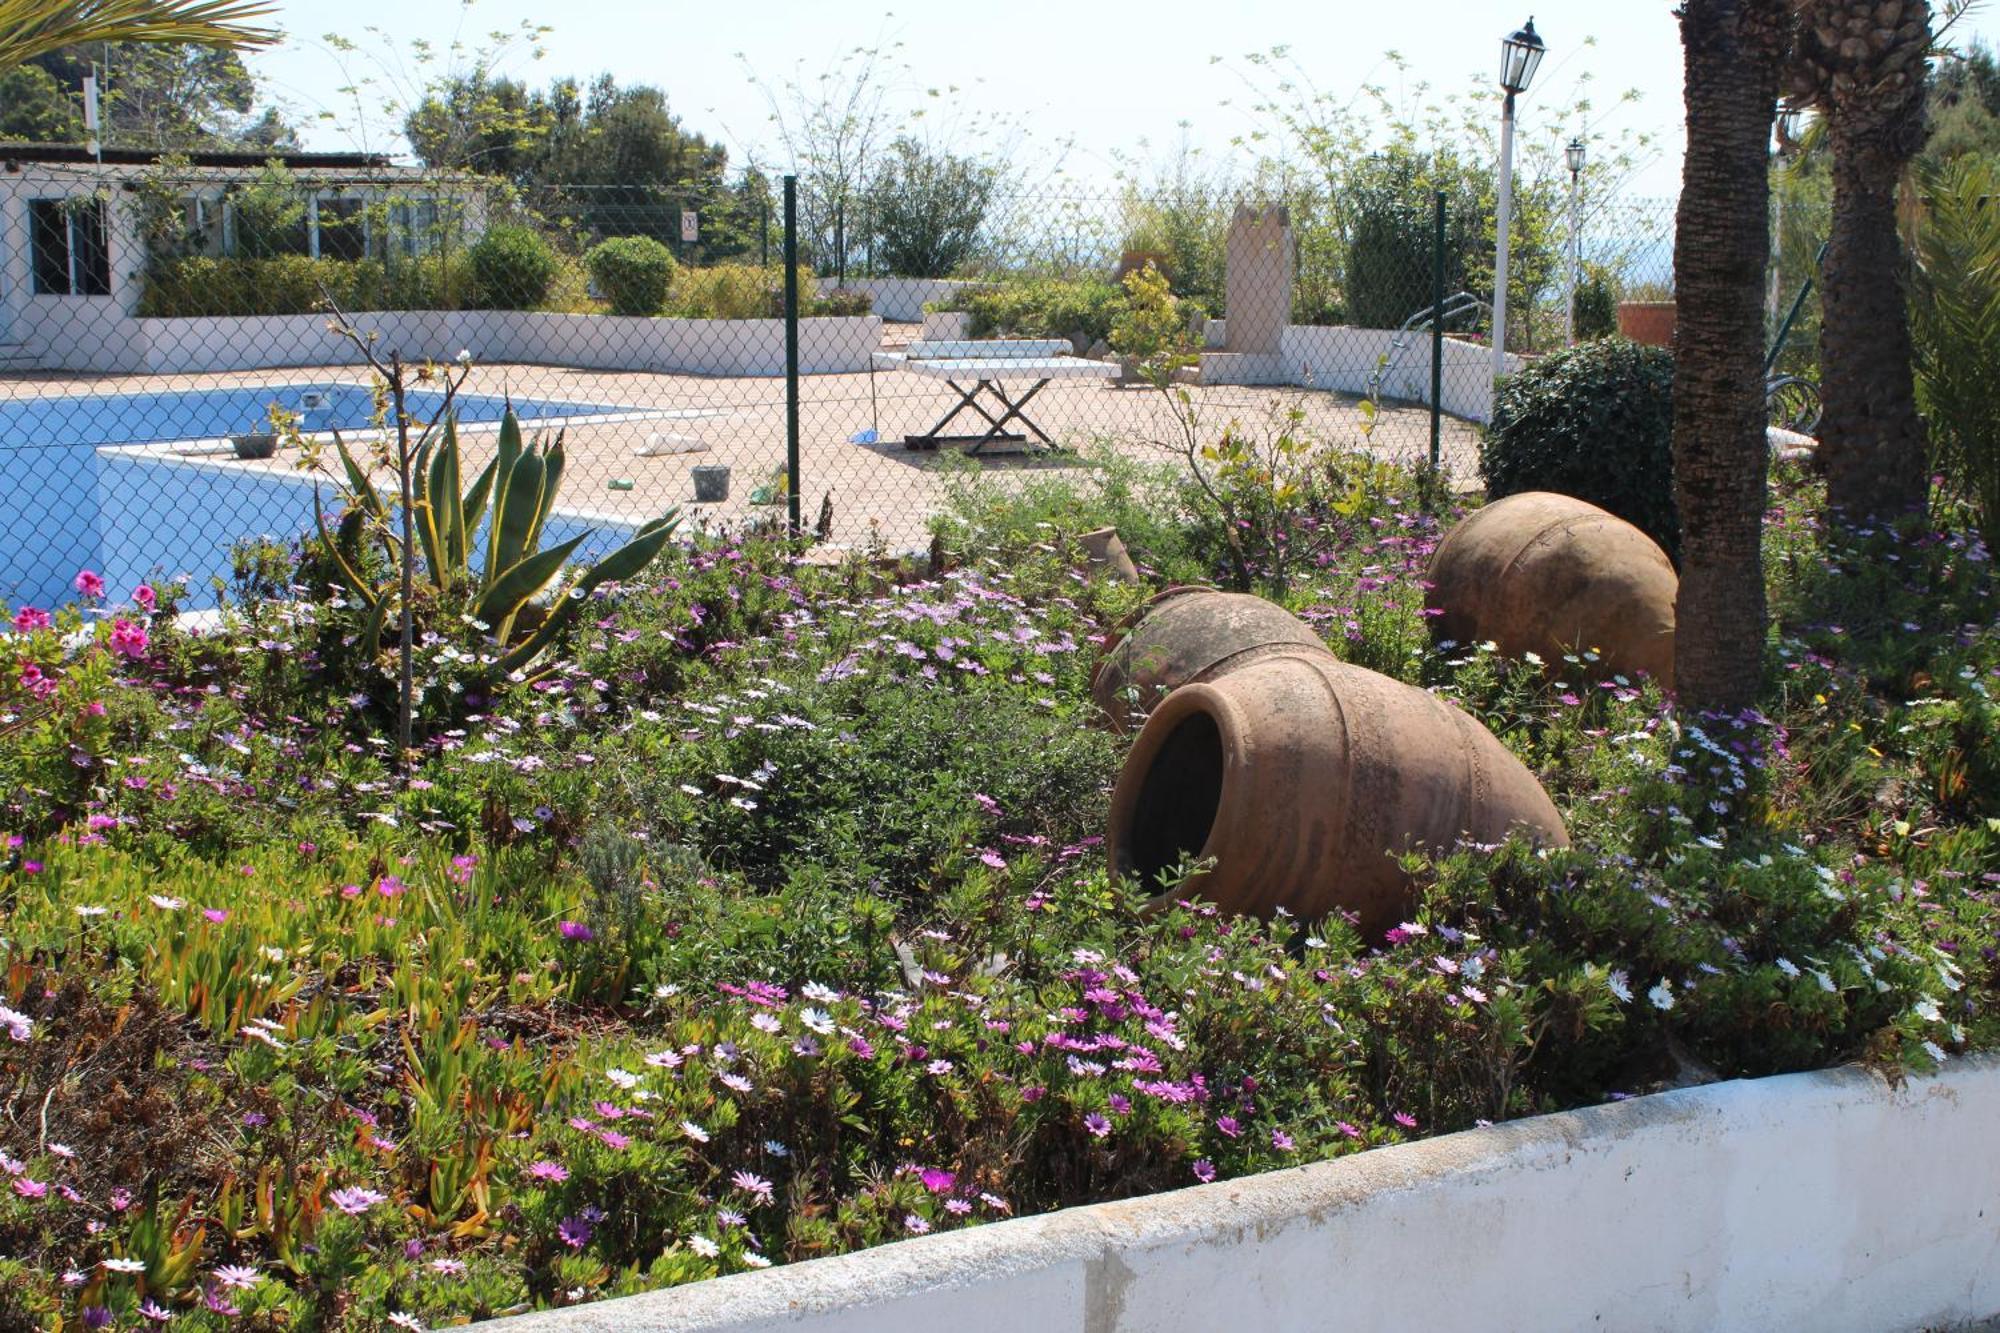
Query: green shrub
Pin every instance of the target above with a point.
(1595, 422)
(1392, 233)
(201, 287)
(731, 291)
(633, 274)
(1596, 305)
(845, 302)
(1080, 309)
(1955, 326)
(513, 268)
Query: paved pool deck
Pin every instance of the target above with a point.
(879, 492)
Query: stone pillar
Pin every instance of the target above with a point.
(1258, 279)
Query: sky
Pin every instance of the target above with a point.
(1079, 87)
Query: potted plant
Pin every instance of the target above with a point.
(261, 440)
(1648, 316)
(711, 483)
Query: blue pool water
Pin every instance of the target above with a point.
(206, 414)
(75, 494)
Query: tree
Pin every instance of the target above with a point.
(1963, 105)
(31, 28)
(924, 209)
(1861, 64)
(169, 96)
(1732, 52)
(35, 109)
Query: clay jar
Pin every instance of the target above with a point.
(1186, 635)
(1305, 777)
(1545, 573)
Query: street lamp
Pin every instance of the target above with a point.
(1520, 56)
(1573, 155)
(1790, 118)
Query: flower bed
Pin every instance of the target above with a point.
(770, 923)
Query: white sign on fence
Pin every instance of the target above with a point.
(690, 225)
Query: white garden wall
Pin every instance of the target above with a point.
(1344, 359)
(80, 336)
(900, 299)
(1828, 1201)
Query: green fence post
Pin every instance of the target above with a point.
(792, 352)
(1437, 332)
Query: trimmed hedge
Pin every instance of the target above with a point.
(202, 287)
(513, 268)
(632, 273)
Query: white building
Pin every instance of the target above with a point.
(73, 255)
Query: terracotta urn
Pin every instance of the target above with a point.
(1305, 778)
(1183, 635)
(1550, 574)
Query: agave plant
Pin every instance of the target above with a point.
(500, 577)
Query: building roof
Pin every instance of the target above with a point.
(15, 153)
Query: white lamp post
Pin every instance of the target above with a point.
(1789, 118)
(1574, 156)
(1520, 56)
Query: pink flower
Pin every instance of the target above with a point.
(576, 930)
(29, 1188)
(1228, 1125)
(1405, 1119)
(1098, 1126)
(145, 598)
(552, 1172)
(356, 1200)
(128, 637)
(1204, 1171)
(1281, 1140)
(89, 584)
(938, 1182)
(29, 619)
(915, 1225)
(215, 914)
(752, 1184)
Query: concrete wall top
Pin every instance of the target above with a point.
(1829, 1200)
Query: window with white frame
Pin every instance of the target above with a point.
(69, 249)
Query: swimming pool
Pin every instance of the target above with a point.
(141, 486)
(69, 420)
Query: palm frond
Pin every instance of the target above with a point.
(31, 28)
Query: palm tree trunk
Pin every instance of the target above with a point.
(1872, 441)
(1722, 242)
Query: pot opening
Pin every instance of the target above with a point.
(1177, 801)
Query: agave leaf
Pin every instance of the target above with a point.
(473, 510)
(447, 508)
(365, 494)
(514, 517)
(348, 573)
(506, 595)
(371, 629)
(623, 563)
(553, 459)
(508, 454)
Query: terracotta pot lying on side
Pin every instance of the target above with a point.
(1186, 635)
(1304, 778)
(1545, 573)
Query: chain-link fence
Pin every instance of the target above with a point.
(171, 381)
